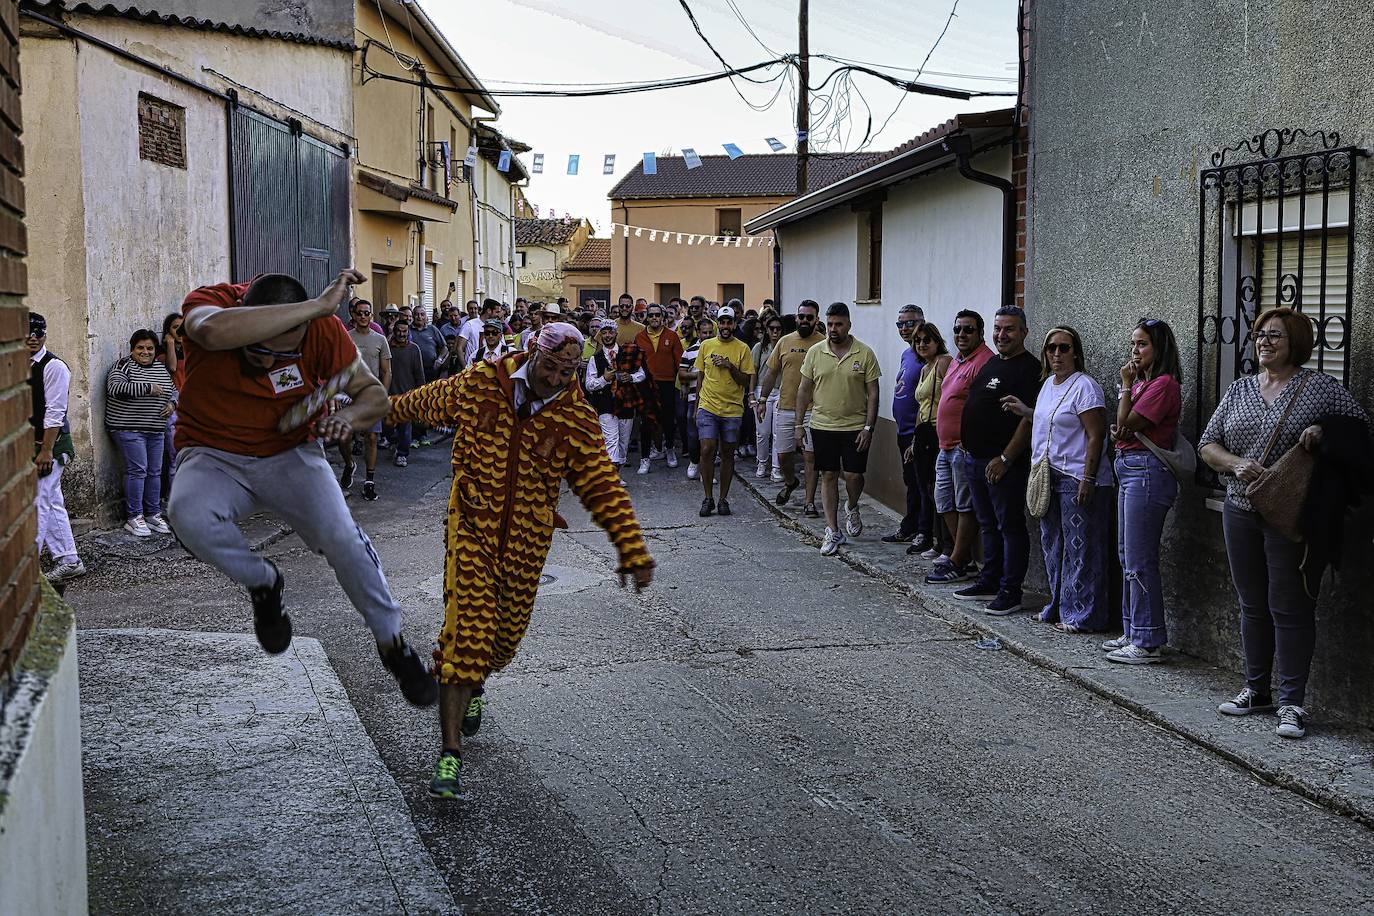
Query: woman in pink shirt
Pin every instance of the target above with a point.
(1150, 399)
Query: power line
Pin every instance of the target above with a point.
(702, 35)
(748, 28)
(963, 76)
(939, 38)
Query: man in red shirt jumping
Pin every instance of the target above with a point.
(262, 360)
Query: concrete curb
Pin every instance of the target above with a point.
(1298, 779)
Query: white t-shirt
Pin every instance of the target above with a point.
(1067, 438)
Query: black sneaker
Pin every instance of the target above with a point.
(1246, 702)
(369, 490)
(978, 591)
(346, 479)
(786, 492)
(723, 507)
(810, 511)
(472, 716)
(1005, 604)
(417, 684)
(900, 537)
(708, 507)
(270, 622)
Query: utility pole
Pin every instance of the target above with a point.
(803, 93)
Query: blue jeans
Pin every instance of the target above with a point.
(1147, 492)
(1001, 511)
(142, 470)
(401, 438)
(1074, 539)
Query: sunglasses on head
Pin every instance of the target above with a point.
(1148, 323)
(1059, 348)
(908, 324)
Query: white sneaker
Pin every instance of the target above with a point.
(933, 554)
(832, 541)
(777, 476)
(137, 527)
(691, 470)
(643, 466)
(1120, 642)
(853, 522)
(939, 558)
(157, 523)
(760, 470)
(64, 571)
(672, 457)
(656, 454)
(1134, 655)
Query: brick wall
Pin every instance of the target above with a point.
(161, 131)
(18, 558)
(1020, 152)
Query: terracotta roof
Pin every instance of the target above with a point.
(750, 175)
(1002, 117)
(147, 14)
(544, 231)
(595, 255)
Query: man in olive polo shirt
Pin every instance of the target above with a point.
(840, 380)
(784, 370)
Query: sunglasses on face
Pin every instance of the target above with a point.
(907, 324)
(965, 329)
(275, 354)
(922, 341)
(1059, 348)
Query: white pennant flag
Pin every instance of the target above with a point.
(679, 238)
(638, 231)
(665, 236)
(653, 235)
(714, 240)
(691, 240)
(751, 241)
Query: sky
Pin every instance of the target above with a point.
(510, 42)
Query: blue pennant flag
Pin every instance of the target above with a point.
(538, 166)
(650, 164)
(503, 164)
(608, 167)
(775, 144)
(572, 163)
(470, 160)
(732, 150)
(690, 157)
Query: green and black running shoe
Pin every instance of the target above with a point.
(447, 780)
(472, 718)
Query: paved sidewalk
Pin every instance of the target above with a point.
(220, 779)
(1333, 766)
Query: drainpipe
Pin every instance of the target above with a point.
(961, 147)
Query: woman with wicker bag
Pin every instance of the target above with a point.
(1069, 434)
(1257, 426)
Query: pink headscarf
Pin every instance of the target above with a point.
(557, 335)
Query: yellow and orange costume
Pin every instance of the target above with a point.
(507, 474)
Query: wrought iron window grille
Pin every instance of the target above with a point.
(1276, 228)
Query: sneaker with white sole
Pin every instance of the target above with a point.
(1004, 605)
(978, 591)
(1131, 654)
(157, 523)
(656, 454)
(1292, 722)
(672, 457)
(948, 574)
(776, 476)
(1120, 642)
(64, 571)
(760, 470)
(853, 522)
(832, 541)
(939, 558)
(692, 470)
(1246, 702)
(138, 527)
(643, 466)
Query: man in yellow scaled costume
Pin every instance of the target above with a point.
(521, 426)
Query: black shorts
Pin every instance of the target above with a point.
(836, 451)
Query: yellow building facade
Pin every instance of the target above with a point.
(414, 199)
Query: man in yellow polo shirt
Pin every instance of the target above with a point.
(784, 371)
(724, 365)
(840, 384)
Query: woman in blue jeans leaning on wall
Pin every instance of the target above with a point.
(139, 397)
(1150, 398)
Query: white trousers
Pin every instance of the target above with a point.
(54, 526)
(617, 433)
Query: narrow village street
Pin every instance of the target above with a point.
(763, 731)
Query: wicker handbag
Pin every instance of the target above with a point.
(1038, 484)
(1279, 494)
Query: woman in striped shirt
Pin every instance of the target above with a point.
(140, 396)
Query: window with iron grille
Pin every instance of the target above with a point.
(161, 131)
(1274, 229)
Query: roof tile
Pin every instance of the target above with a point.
(595, 255)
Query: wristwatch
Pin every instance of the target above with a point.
(868, 429)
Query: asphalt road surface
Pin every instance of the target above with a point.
(769, 731)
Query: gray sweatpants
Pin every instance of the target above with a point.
(214, 489)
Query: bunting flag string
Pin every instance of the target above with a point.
(690, 156)
(670, 236)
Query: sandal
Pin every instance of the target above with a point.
(1063, 627)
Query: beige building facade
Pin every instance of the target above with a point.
(416, 200)
(542, 249)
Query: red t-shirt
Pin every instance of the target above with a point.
(1159, 400)
(949, 416)
(226, 406)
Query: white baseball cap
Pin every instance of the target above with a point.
(552, 308)
(725, 312)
